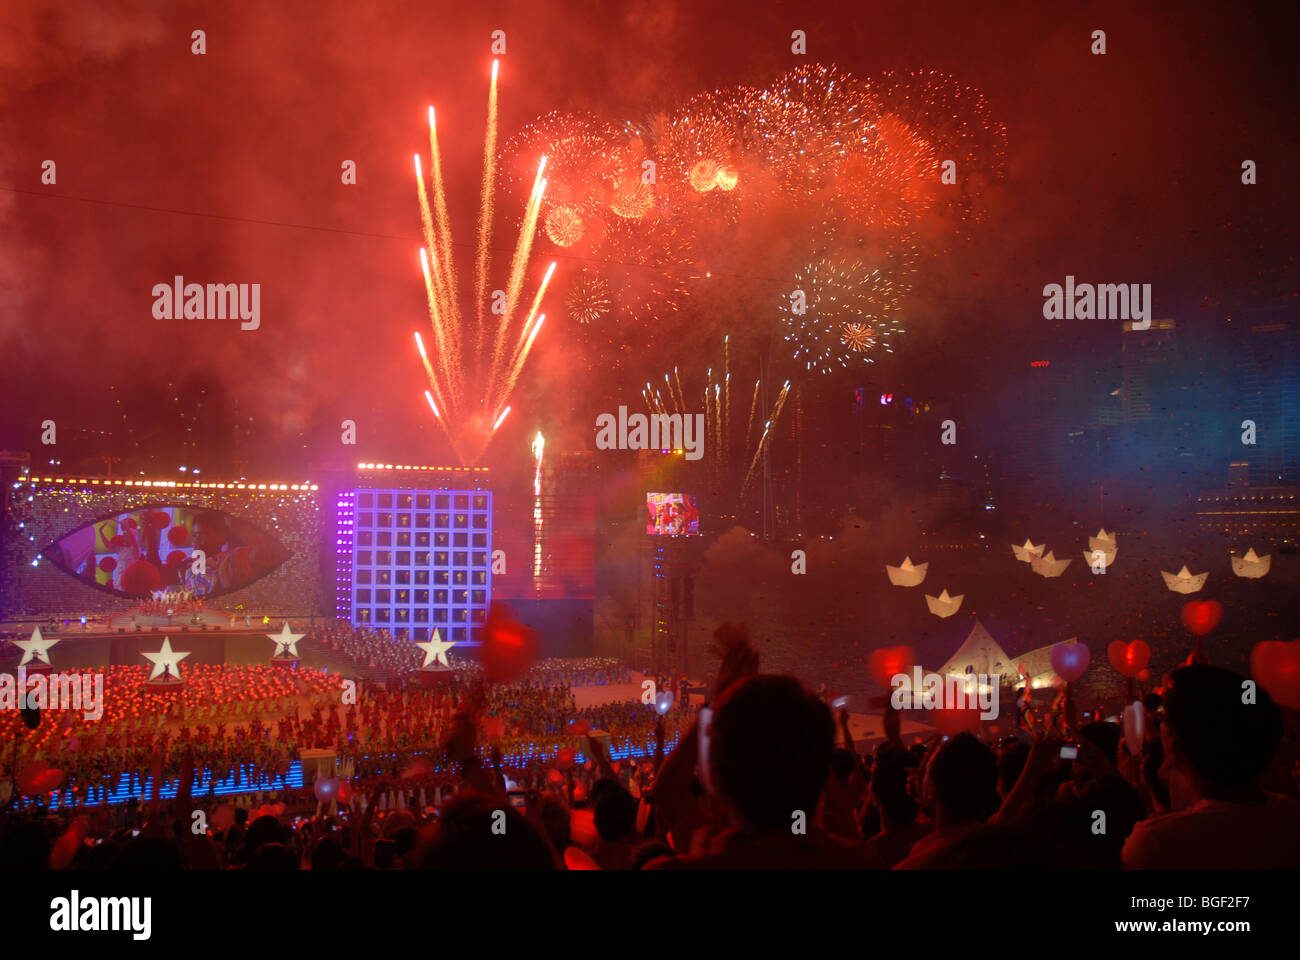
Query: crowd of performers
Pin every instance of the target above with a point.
(250, 723)
(168, 603)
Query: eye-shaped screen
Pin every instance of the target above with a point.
(154, 548)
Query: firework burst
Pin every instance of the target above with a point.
(807, 122)
(840, 312)
(583, 162)
(696, 148)
(648, 263)
(957, 122)
(820, 161)
(631, 197)
(858, 337)
(588, 298)
(564, 225)
(893, 179)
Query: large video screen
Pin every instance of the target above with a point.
(672, 515)
(153, 548)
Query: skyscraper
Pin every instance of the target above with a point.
(1144, 354)
(1272, 400)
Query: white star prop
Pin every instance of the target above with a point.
(435, 650)
(286, 642)
(35, 648)
(166, 660)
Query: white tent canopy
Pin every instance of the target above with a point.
(980, 653)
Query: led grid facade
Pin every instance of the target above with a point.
(343, 537)
(421, 560)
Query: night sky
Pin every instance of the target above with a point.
(226, 168)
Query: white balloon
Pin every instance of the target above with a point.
(1134, 727)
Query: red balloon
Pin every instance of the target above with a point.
(889, 661)
(1202, 616)
(1129, 658)
(48, 782)
(1144, 675)
(565, 758)
(129, 524)
(580, 726)
(141, 578)
(108, 564)
(65, 848)
(508, 647)
(159, 519)
(178, 536)
(175, 558)
(1276, 666)
(555, 776)
(29, 776)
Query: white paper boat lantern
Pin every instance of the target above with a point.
(944, 605)
(1251, 566)
(1098, 557)
(907, 574)
(1103, 541)
(1049, 566)
(1028, 552)
(1184, 581)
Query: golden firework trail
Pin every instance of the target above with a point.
(681, 397)
(716, 446)
(486, 205)
(753, 409)
(767, 432)
(470, 382)
(726, 397)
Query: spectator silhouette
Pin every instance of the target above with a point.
(1222, 743)
(769, 757)
(465, 838)
(961, 793)
(899, 829)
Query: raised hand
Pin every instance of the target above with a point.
(739, 659)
